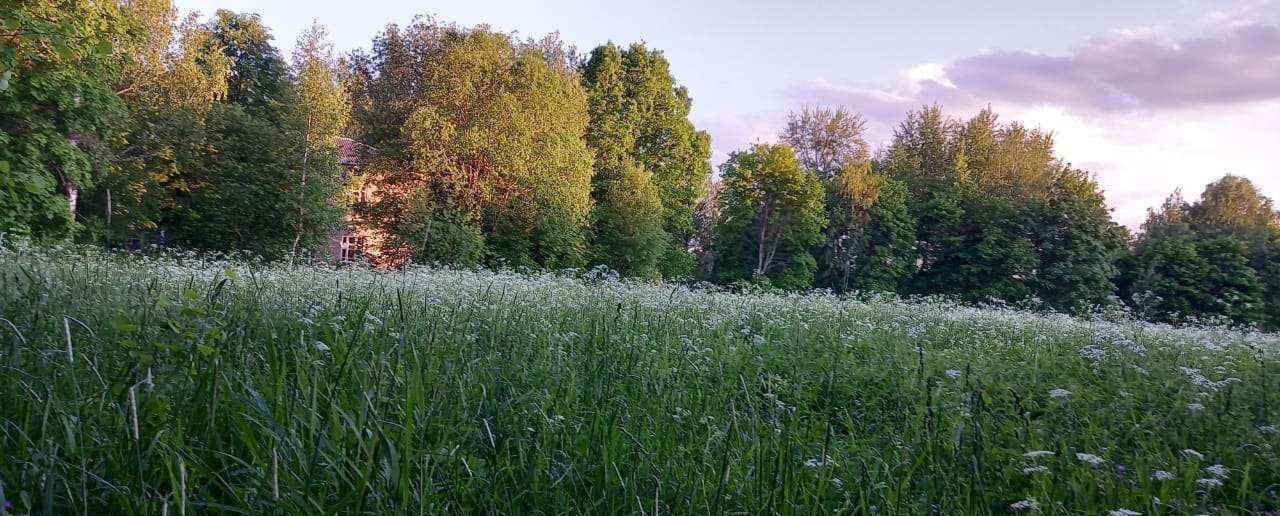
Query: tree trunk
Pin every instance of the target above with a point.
(761, 261)
(302, 188)
(73, 196)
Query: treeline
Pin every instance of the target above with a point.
(121, 123)
(119, 120)
(981, 211)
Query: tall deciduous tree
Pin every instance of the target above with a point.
(1234, 230)
(771, 214)
(1078, 244)
(323, 110)
(640, 128)
(246, 192)
(497, 138)
(1183, 269)
(826, 140)
(57, 106)
(627, 218)
(173, 77)
(869, 240)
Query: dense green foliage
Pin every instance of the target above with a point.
(1214, 258)
(651, 164)
(489, 150)
(161, 386)
(770, 216)
(1000, 218)
(56, 108)
(123, 125)
(870, 234)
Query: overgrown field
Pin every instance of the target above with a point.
(133, 385)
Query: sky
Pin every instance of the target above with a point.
(1149, 95)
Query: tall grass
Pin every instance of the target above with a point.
(133, 385)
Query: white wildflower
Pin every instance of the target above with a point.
(321, 347)
(1123, 512)
(816, 463)
(1195, 407)
(1163, 475)
(1093, 353)
(954, 373)
(1209, 483)
(1030, 504)
(1031, 470)
(1218, 470)
(1038, 454)
(1059, 393)
(1192, 454)
(1092, 459)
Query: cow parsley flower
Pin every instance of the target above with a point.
(1218, 470)
(1209, 483)
(1123, 512)
(1163, 475)
(1192, 454)
(953, 373)
(1092, 459)
(1038, 454)
(1195, 407)
(1031, 470)
(1059, 393)
(1030, 504)
(816, 463)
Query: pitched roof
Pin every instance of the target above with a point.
(352, 153)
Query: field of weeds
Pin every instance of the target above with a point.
(180, 385)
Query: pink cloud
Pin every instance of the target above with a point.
(1120, 72)
(1146, 113)
(1134, 71)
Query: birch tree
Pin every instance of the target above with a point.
(771, 214)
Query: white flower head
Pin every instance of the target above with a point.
(1030, 504)
(1031, 470)
(1195, 407)
(321, 347)
(953, 373)
(1123, 512)
(816, 463)
(1192, 454)
(1038, 454)
(1092, 459)
(1208, 483)
(1059, 393)
(1163, 475)
(1218, 471)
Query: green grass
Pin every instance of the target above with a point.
(273, 390)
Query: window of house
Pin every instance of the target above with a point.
(349, 248)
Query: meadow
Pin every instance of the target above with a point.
(180, 384)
